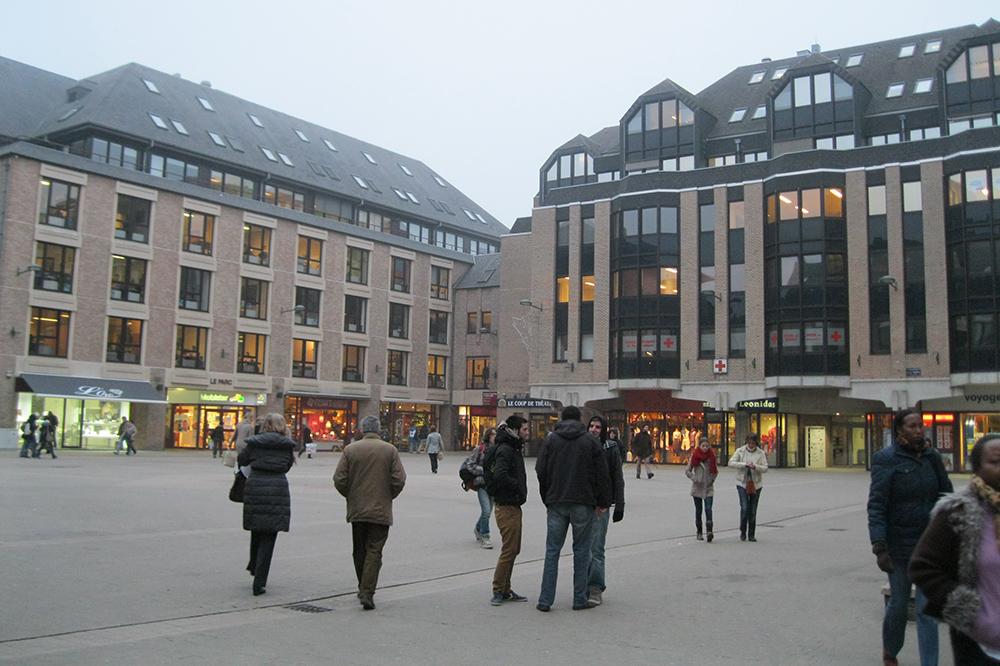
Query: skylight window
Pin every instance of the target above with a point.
(330, 145)
(737, 115)
(69, 113)
(205, 104)
(907, 50)
(933, 46)
(757, 77)
(235, 144)
(440, 182)
(255, 120)
(216, 139)
(151, 87)
(371, 184)
(314, 167)
(302, 136)
(468, 214)
(446, 208)
(409, 195)
(778, 73)
(369, 157)
(268, 154)
(405, 170)
(434, 203)
(360, 181)
(480, 217)
(399, 193)
(330, 172)
(895, 90)
(854, 60)
(158, 121)
(179, 126)
(760, 112)
(923, 86)
(285, 159)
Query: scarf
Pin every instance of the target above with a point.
(992, 497)
(698, 457)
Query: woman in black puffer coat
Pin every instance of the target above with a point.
(267, 505)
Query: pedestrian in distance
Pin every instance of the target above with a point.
(29, 437)
(47, 435)
(575, 486)
(702, 469)
(435, 445)
(307, 440)
(507, 483)
(956, 563)
(906, 481)
(370, 475)
(126, 433)
(414, 441)
(217, 435)
(596, 580)
(267, 504)
(244, 429)
(750, 463)
(482, 528)
(642, 451)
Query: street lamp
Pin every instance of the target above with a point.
(33, 268)
(528, 303)
(298, 309)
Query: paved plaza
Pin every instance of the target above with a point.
(140, 560)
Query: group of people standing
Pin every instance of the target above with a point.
(946, 543)
(38, 434)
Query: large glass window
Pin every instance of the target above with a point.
(195, 289)
(819, 105)
(57, 267)
(304, 354)
(396, 367)
(440, 278)
(128, 279)
(353, 364)
(256, 245)
(477, 373)
(132, 219)
(253, 298)
(436, 377)
(250, 353)
(355, 314)
(309, 299)
(192, 347)
(310, 257)
(198, 229)
(59, 203)
(438, 330)
(399, 320)
(124, 340)
(49, 334)
(357, 265)
(400, 275)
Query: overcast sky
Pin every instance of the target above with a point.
(482, 92)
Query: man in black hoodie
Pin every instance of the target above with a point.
(575, 485)
(507, 484)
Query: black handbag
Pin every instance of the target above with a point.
(239, 485)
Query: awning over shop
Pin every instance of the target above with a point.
(88, 388)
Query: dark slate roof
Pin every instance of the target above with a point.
(484, 273)
(522, 225)
(120, 103)
(37, 92)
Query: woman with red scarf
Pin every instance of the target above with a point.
(702, 470)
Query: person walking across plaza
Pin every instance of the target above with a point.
(642, 451)
(267, 504)
(29, 437)
(750, 463)
(47, 435)
(956, 563)
(702, 469)
(217, 436)
(906, 481)
(126, 433)
(435, 445)
(482, 528)
(507, 483)
(244, 429)
(596, 579)
(575, 486)
(370, 475)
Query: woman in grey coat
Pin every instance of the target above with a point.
(702, 469)
(267, 505)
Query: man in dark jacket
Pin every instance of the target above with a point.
(642, 451)
(507, 484)
(575, 485)
(598, 427)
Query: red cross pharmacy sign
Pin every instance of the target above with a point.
(721, 366)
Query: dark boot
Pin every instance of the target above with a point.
(708, 526)
(697, 526)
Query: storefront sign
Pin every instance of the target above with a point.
(758, 406)
(913, 372)
(222, 397)
(312, 402)
(489, 398)
(88, 388)
(524, 403)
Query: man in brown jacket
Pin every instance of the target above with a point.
(370, 475)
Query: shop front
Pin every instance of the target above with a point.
(399, 417)
(332, 421)
(196, 412)
(475, 420)
(89, 409)
(675, 424)
(542, 418)
(954, 424)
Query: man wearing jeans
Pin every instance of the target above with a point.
(575, 486)
(507, 484)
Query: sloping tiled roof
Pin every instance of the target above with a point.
(37, 92)
(484, 273)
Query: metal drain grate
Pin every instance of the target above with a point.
(308, 608)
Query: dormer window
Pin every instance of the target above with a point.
(757, 77)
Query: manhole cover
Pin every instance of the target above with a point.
(309, 608)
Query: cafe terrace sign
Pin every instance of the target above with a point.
(524, 403)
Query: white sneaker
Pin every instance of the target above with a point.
(486, 544)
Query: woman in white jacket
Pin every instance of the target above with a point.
(750, 463)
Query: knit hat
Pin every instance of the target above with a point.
(370, 424)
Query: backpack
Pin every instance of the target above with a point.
(489, 466)
(26, 429)
(465, 471)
